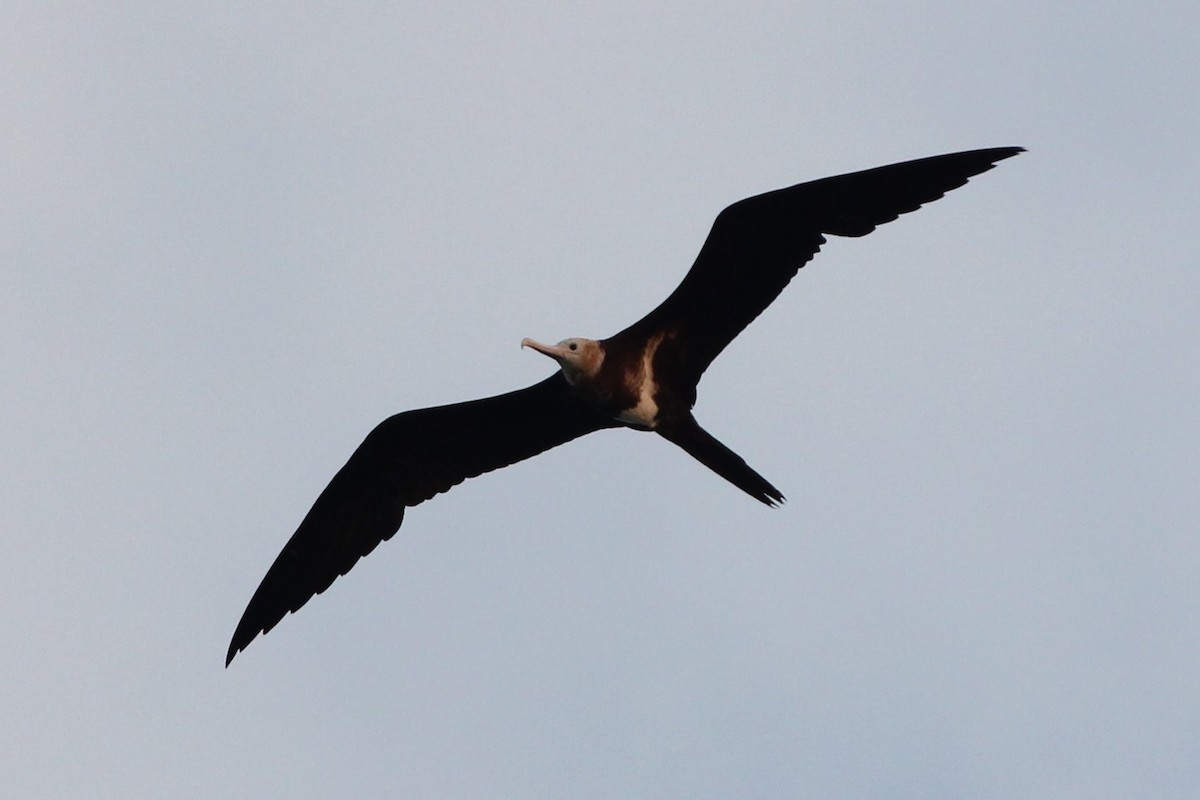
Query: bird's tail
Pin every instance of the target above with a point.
(701, 445)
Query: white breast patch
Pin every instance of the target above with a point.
(646, 410)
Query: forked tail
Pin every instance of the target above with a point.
(698, 442)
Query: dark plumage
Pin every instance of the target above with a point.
(644, 377)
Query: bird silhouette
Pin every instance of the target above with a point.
(644, 377)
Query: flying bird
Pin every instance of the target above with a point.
(643, 378)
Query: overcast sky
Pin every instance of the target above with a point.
(235, 239)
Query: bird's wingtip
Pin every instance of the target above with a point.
(1008, 152)
(240, 641)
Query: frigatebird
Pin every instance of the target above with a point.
(644, 377)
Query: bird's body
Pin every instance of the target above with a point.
(644, 377)
(621, 385)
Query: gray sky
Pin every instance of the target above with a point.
(234, 240)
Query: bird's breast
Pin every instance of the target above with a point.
(644, 414)
(640, 389)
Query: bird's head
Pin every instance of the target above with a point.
(579, 358)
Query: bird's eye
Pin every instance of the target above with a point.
(573, 346)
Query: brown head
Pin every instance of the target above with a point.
(578, 357)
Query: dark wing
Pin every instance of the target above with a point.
(757, 245)
(406, 460)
